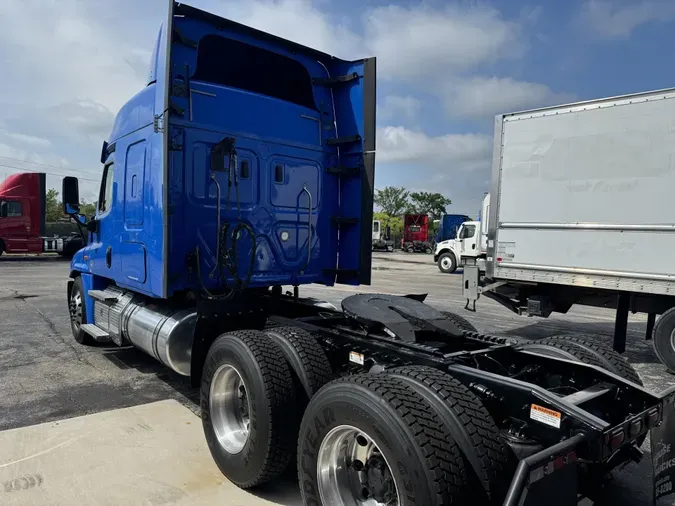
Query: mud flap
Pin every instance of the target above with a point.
(663, 454)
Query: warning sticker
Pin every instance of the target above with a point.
(506, 251)
(357, 358)
(545, 415)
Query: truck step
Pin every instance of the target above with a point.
(102, 295)
(96, 332)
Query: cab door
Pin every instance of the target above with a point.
(100, 250)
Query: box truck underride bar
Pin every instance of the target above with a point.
(246, 164)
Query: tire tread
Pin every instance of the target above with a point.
(461, 322)
(316, 364)
(618, 363)
(276, 375)
(476, 420)
(441, 453)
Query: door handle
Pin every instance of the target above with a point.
(108, 257)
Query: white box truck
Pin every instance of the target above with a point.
(583, 212)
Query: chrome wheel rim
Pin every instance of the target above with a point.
(229, 408)
(446, 263)
(672, 340)
(76, 309)
(352, 471)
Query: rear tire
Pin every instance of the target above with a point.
(663, 339)
(447, 263)
(579, 349)
(407, 452)
(470, 425)
(309, 363)
(78, 313)
(460, 321)
(610, 359)
(250, 431)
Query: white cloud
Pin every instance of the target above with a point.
(408, 42)
(481, 97)
(394, 107)
(618, 18)
(396, 144)
(64, 51)
(297, 20)
(28, 140)
(419, 41)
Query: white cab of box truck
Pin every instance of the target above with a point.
(583, 212)
(469, 247)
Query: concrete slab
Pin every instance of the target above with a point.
(153, 454)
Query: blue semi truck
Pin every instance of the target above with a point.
(246, 165)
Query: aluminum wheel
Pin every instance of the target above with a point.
(446, 263)
(353, 472)
(76, 309)
(229, 407)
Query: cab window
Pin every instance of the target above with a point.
(105, 195)
(468, 231)
(10, 209)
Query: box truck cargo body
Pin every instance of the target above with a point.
(583, 210)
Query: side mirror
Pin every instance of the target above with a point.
(71, 195)
(104, 151)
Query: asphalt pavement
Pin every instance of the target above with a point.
(45, 376)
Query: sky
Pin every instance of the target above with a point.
(445, 69)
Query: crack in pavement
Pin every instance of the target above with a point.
(57, 334)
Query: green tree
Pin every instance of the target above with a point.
(392, 200)
(87, 208)
(432, 204)
(395, 223)
(53, 207)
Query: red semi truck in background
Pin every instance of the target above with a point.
(23, 224)
(416, 234)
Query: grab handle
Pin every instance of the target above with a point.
(309, 226)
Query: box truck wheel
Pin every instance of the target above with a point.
(248, 407)
(663, 339)
(370, 438)
(78, 313)
(447, 263)
(470, 425)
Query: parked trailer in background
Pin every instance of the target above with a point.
(582, 212)
(23, 224)
(387, 401)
